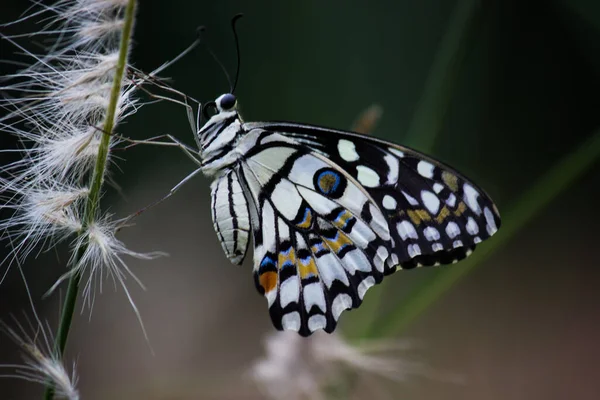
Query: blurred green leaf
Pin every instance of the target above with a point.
(439, 87)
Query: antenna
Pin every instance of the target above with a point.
(237, 49)
(200, 31)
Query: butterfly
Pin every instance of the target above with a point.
(331, 212)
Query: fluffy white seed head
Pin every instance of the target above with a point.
(100, 256)
(39, 365)
(298, 368)
(41, 214)
(57, 109)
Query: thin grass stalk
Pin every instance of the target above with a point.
(92, 201)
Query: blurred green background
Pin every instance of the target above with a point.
(502, 90)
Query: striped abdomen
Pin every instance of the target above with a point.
(230, 216)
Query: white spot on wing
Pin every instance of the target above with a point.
(431, 201)
(431, 233)
(347, 150)
(491, 223)
(414, 250)
(394, 167)
(451, 200)
(313, 294)
(286, 199)
(380, 257)
(378, 223)
(356, 260)
(470, 198)
(437, 187)
(291, 321)
(361, 234)
(317, 322)
(452, 230)
(271, 296)
(396, 152)
(425, 169)
(268, 223)
(411, 200)
(341, 302)
(365, 285)
(289, 292)
(330, 269)
(367, 177)
(406, 230)
(437, 247)
(472, 226)
(389, 202)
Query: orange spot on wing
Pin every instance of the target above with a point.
(268, 281)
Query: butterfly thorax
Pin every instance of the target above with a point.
(219, 138)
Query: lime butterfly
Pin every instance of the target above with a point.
(331, 212)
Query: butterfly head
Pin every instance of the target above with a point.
(226, 102)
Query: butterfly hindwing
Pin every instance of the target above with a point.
(320, 239)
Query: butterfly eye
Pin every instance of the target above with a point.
(227, 102)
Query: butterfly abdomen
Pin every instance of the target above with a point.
(230, 216)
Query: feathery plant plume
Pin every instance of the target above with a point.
(63, 110)
(305, 368)
(41, 364)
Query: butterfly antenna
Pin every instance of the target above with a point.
(237, 49)
(214, 56)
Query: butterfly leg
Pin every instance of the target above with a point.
(126, 220)
(158, 141)
(153, 80)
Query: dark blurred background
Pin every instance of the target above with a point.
(524, 325)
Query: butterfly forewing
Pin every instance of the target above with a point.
(435, 215)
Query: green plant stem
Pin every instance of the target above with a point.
(93, 199)
(531, 203)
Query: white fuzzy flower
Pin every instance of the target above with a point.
(41, 214)
(58, 109)
(99, 255)
(302, 368)
(40, 365)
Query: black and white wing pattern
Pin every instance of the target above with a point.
(333, 212)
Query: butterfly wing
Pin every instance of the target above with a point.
(435, 214)
(333, 212)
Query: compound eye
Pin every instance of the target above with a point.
(227, 102)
